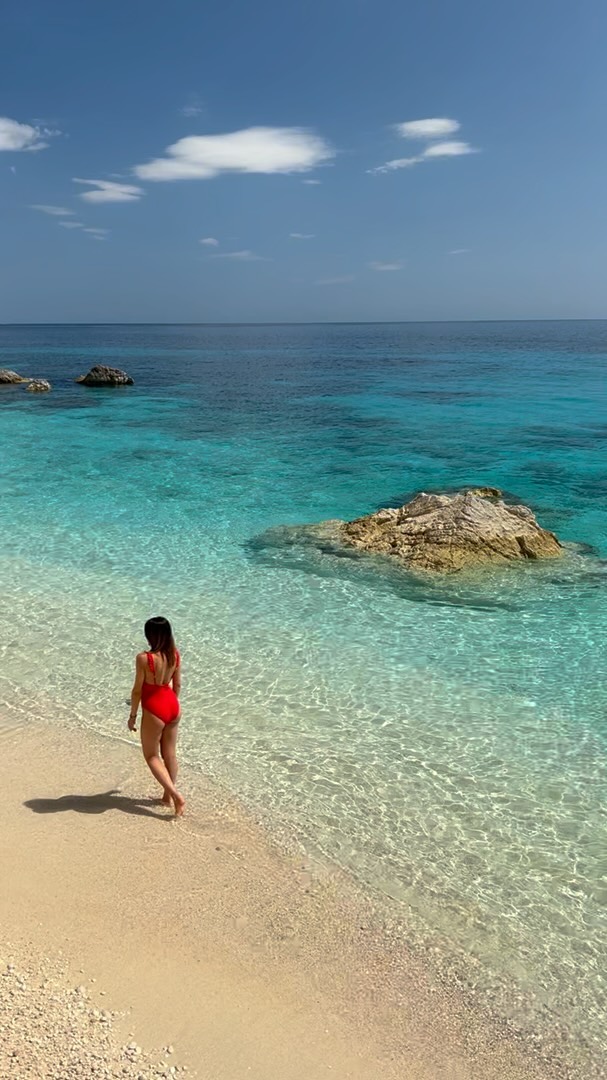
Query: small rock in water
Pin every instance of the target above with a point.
(102, 375)
(39, 386)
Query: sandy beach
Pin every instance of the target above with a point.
(201, 935)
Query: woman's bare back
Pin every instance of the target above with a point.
(163, 673)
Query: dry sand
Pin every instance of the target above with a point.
(52, 1030)
(201, 935)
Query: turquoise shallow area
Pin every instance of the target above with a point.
(446, 742)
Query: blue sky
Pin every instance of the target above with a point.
(370, 159)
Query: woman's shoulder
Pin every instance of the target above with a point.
(141, 658)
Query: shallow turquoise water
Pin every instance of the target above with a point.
(445, 742)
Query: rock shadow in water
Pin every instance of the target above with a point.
(310, 549)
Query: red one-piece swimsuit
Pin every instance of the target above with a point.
(159, 698)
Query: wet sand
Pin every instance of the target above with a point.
(203, 935)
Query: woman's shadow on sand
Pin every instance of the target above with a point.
(96, 804)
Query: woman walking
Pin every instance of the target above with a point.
(156, 688)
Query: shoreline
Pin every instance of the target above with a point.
(264, 955)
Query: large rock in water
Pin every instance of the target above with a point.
(101, 375)
(452, 532)
(7, 377)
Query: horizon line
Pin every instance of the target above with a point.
(323, 322)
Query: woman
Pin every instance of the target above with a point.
(154, 672)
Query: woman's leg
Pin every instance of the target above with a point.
(168, 748)
(151, 733)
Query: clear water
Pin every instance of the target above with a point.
(444, 741)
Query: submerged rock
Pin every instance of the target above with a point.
(486, 492)
(39, 386)
(452, 532)
(101, 375)
(7, 377)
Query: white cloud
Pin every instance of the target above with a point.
(97, 234)
(448, 149)
(242, 256)
(397, 163)
(108, 191)
(382, 266)
(254, 150)
(459, 251)
(312, 183)
(210, 241)
(344, 280)
(15, 136)
(54, 211)
(435, 128)
(302, 235)
(428, 131)
(193, 108)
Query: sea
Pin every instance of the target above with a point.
(442, 740)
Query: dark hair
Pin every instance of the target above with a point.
(160, 638)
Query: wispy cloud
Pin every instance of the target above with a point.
(345, 279)
(302, 235)
(448, 149)
(384, 266)
(433, 133)
(66, 220)
(240, 256)
(210, 241)
(109, 191)
(459, 251)
(254, 150)
(435, 128)
(15, 136)
(312, 183)
(54, 211)
(96, 233)
(194, 107)
(396, 163)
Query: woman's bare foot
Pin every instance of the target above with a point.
(179, 803)
(166, 800)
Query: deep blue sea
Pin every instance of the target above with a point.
(445, 741)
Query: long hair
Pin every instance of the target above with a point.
(159, 633)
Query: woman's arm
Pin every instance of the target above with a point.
(176, 680)
(136, 691)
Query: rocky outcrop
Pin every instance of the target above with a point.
(7, 377)
(101, 375)
(39, 386)
(452, 532)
